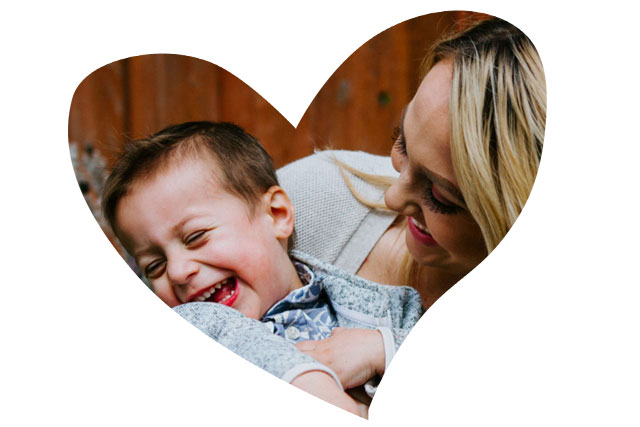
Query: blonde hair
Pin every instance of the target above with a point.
(379, 180)
(497, 118)
(497, 113)
(408, 267)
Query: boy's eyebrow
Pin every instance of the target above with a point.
(138, 254)
(180, 224)
(434, 177)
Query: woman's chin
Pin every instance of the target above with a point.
(437, 257)
(427, 255)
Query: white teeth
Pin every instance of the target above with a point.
(419, 226)
(213, 289)
(227, 297)
(224, 282)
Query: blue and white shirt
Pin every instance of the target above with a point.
(304, 314)
(354, 303)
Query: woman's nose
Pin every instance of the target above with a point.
(398, 198)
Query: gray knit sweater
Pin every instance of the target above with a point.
(358, 303)
(334, 227)
(331, 224)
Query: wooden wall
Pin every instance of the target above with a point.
(356, 109)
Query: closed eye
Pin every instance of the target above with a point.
(194, 238)
(435, 203)
(155, 268)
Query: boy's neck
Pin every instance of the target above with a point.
(295, 281)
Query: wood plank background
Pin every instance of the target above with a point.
(357, 108)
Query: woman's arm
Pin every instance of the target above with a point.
(251, 340)
(322, 385)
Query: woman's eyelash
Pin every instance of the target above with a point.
(436, 205)
(398, 141)
(430, 200)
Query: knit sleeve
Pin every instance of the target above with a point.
(251, 339)
(330, 223)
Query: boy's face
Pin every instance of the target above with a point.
(197, 242)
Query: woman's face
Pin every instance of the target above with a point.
(441, 232)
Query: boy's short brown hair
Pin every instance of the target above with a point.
(246, 168)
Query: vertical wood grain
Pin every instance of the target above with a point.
(356, 109)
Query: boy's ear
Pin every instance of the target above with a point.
(281, 211)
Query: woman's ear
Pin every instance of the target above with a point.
(281, 211)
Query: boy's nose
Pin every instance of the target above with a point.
(181, 270)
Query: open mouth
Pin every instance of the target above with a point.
(224, 292)
(419, 226)
(421, 233)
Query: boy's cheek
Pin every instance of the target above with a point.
(249, 304)
(166, 294)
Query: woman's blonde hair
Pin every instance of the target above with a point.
(408, 267)
(497, 118)
(497, 114)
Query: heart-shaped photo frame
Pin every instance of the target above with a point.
(346, 236)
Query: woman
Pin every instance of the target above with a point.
(467, 152)
(465, 158)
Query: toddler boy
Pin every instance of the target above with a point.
(199, 207)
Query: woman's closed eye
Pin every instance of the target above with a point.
(436, 203)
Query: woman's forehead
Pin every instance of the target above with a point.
(435, 88)
(426, 122)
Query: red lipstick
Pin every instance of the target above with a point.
(422, 237)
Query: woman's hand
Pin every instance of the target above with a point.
(355, 355)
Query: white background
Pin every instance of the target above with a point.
(544, 332)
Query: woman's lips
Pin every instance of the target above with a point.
(420, 235)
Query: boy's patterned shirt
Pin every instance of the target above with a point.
(304, 314)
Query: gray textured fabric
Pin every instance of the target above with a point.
(358, 303)
(330, 223)
(250, 339)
